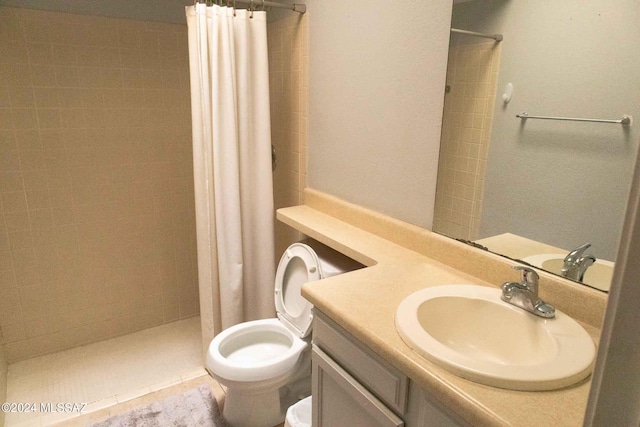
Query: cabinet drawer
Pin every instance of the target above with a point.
(341, 401)
(382, 379)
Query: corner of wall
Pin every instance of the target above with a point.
(288, 79)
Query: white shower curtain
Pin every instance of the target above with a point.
(232, 165)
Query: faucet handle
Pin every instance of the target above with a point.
(577, 253)
(529, 276)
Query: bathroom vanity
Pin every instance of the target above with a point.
(365, 374)
(353, 386)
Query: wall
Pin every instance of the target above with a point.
(289, 89)
(615, 389)
(572, 59)
(97, 232)
(466, 133)
(376, 81)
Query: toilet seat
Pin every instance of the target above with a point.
(266, 349)
(299, 264)
(253, 351)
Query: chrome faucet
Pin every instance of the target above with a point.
(576, 263)
(524, 294)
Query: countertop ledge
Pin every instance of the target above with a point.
(402, 259)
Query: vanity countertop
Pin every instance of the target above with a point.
(364, 302)
(517, 246)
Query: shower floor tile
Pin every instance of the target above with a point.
(105, 373)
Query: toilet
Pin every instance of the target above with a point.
(265, 364)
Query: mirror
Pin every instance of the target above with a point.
(534, 189)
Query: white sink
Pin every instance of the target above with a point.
(598, 275)
(470, 331)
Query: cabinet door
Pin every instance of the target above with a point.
(341, 401)
(423, 411)
(383, 380)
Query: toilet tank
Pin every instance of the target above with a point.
(332, 262)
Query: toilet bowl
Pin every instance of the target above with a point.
(265, 365)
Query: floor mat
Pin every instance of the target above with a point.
(193, 408)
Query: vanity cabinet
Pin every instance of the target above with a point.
(339, 400)
(353, 386)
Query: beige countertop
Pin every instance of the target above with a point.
(518, 247)
(364, 303)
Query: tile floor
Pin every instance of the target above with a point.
(109, 373)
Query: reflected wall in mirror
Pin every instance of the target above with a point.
(530, 189)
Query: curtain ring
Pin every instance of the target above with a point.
(234, 7)
(251, 8)
(262, 8)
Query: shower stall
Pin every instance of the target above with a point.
(98, 265)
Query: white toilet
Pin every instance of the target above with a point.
(266, 364)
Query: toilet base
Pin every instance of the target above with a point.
(265, 408)
(243, 409)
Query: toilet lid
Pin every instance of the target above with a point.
(299, 264)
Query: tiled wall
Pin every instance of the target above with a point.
(97, 228)
(466, 134)
(288, 78)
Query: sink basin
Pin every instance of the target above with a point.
(470, 331)
(598, 275)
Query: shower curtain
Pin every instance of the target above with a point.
(232, 165)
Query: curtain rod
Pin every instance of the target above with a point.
(300, 8)
(496, 37)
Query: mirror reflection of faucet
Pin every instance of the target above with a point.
(576, 263)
